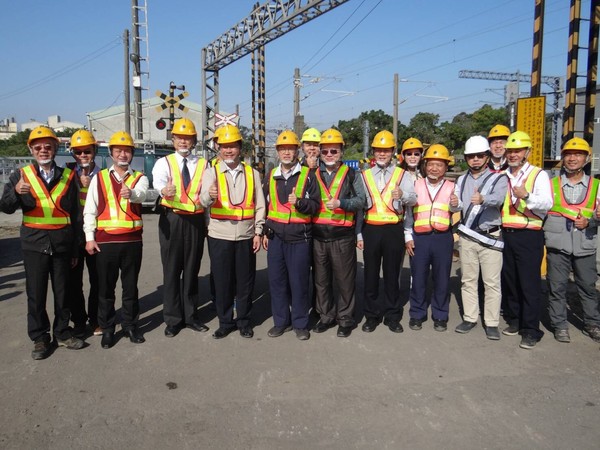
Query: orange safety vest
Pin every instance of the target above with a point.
(382, 211)
(284, 212)
(338, 216)
(517, 215)
(183, 201)
(47, 214)
(432, 214)
(223, 208)
(117, 216)
(572, 211)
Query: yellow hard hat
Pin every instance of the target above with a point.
(412, 143)
(577, 144)
(384, 139)
(499, 131)
(229, 134)
(217, 134)
(311, 135)
(41, 132)
(82, 138)
(184, 127)
(518, 139)
(287, 137)
(331, 136)
(121, 138)
(438, 151)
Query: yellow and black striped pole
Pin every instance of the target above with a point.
(261, 104)
(592, 72)
(571, 88)
(538, 39)
(254, 130)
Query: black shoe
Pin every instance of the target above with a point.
(79, 331)
(222, 332)
(247, 332)
(415, 324)
(278, 331)
(108, 339)
(321, 327)
(440, 325)
(134, 336)
(528, 342)
(394, 326)
(172, 331)
(197, 326)
(344, 331)
(72, 343)
(511, 330)
(465, 327)
(41, 349)
(370, 325)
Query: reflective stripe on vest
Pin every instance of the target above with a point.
(284, 212)
(517, 215)
(48, 213)
(338, 216)
(571, 211)
(222, 208)
(382, 210)
(432, 214)
(117, 216)
(182, 202)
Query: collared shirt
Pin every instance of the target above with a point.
(95, 170)
(574, 193)
(161, 172)
(540, 199)
(407, 186)
(47, 176)
(90, 211)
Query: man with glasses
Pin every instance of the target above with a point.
(47, 196)
(83, 148)
(334, 243)
(310, 141)
(480, 193)
(497, 139)
(181, 229)
(388, 191)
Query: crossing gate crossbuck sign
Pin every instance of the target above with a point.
(224, 119)
(171, 101)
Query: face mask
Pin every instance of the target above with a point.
(123, 164)
(44, 162)
(229, 161)
(183, 152)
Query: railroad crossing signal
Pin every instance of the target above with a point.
(224, 119)
(171, 101)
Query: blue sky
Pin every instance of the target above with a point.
(65, 57)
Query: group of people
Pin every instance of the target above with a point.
(310, 213)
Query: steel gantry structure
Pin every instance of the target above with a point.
(265, 23)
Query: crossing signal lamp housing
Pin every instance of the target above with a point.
(161, 124)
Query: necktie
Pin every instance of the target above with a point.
(185, 174)
(381, 181)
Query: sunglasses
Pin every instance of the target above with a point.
(412, 153)
(476, 155)
(85, 152)
(39, 147)
(329, 152)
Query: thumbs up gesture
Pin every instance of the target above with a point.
(581, 222)
(169, 190)
(213, 191)
(597, 212)
(125, 191)
(84, 178)
(22, 187)
(453, 200)
(397, 193)
(520, 191)
(292, 199)
(332, 203)
(476, 198)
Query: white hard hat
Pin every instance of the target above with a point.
(476, 144)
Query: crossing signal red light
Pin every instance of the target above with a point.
(161, 124)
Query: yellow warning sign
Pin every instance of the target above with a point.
(531, 113)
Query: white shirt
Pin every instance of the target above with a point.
(161, 171)
(540, 199)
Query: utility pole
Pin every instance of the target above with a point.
(298, 119)
(538, 40)
(366, 131)
(137, 75)
(126, 91)
(395, 107)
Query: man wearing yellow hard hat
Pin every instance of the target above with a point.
(47, 196)
(571, 233)
(497, 139)
(181, 229)
(528, 199)
(310, 140)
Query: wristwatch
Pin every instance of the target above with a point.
(526, 197)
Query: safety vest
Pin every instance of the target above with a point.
(82, 190)
(183, 201)
(432, 214)
(222, 208)
(517, 215)
(572, 210)
(338, 216)
(48, 214)
(284, 212)
(117, 216)
(382, 210)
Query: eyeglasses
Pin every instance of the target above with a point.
(476, 155)
(412, 153)
(39, 147)
(329, 152)
(85, 152)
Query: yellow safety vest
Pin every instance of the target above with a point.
(572, 211)
(517, 215)
(382, 211)
(117, 216)
(222, 208)
(284, 212)
(338, 216)
(183, 201)
(432, 214)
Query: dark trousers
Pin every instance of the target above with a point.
(288, 267)
(335, 260)
(383, 246)
(125, 257)
(233, 265)
(433, 253)
(75, 290)
(521, 280)
(181, 238)
(38, 266)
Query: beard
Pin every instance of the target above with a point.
(122, 164)
(183, 151)
(229, 161)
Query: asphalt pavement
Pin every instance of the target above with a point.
(418, 389)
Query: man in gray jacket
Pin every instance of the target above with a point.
(570, 231)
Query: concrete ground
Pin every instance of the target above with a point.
(418, 389)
